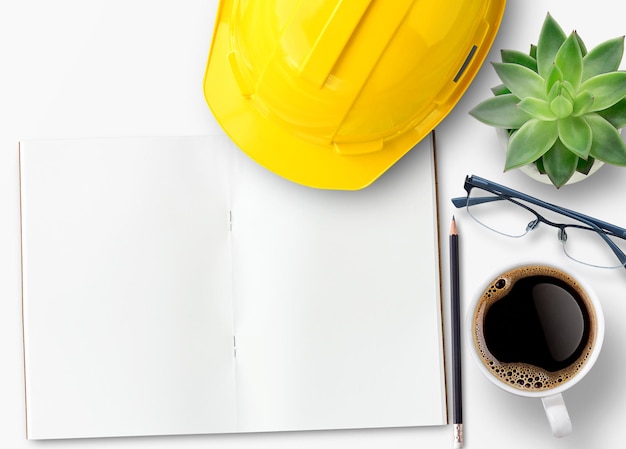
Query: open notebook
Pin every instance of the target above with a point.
(172, 286)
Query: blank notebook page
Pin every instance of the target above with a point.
(337, 301)
(126, 284)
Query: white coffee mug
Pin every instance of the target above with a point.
(523, 378)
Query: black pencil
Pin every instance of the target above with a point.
(455, 306)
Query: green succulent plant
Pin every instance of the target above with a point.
(562, 105)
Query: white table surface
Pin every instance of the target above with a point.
(72, 68)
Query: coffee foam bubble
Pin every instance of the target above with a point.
(524, 376)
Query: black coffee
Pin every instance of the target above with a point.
(533, 327)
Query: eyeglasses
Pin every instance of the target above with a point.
(514, 214)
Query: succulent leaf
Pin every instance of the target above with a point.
(607, 144)
(616, 114)
(500, 112)
(536, 108)
(568, 91)
(559, 163)
(522, 81)
(517, 57)
(607, 89)
(554, 92)
(581, 45)
(570, 60)
(551, 38)
(582, 103)
(561, 106)
(604, 58)
(500, 89)
(575, 134)
(555, 75)
(585, 165)
(530, 142)
(539, 165)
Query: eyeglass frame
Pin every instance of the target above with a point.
(602, 228)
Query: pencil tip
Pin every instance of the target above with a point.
(453, 230)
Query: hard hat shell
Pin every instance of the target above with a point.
(331, 93)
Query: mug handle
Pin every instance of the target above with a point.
(558, 417)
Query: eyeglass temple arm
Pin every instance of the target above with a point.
(463, 201)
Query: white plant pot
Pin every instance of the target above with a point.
(531, 170)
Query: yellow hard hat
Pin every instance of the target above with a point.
(331, 93)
